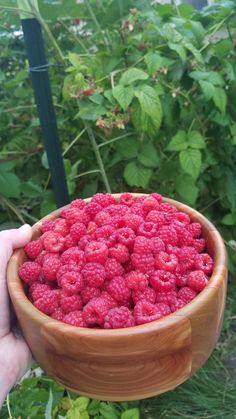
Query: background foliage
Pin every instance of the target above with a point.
(145, 101)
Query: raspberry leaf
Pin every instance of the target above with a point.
(137, 175)
(196, 140)
(190, 161)
(150, 103)
(220, 98)
(132, 75)
(123, 95)
(131, 414)
(178, 142)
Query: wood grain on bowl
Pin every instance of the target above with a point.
(131, 363)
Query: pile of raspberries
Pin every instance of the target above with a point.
(116, 263)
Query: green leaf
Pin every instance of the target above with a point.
(30, 189)
(194, 51)
(190, 161)
(179, 49)
(9, 184)
(123, 95)
(142, 122)
(211, 76)
(108, 411)
(132, 75)
(220, 99)
(150, 103)
(148, 156)
(128, 148)
(74, 59)
(93, 407)
(90, 112)
(131, 414)
(196, 140)
(153, 61)
(137, 175)
(76, 413)
(81, 403)
(178, 142)
(186, 188)
(207, 89)
(229, 219)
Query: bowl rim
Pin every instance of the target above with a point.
(19, 298)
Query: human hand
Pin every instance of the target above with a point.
(15, 356)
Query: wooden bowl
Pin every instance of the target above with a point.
(132, 363)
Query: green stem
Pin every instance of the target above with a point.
(98, 156)
(217, 27)
(96, 23)
(115, 139)
(76, 38)
(89, 172)
(73, 142)
(8, 407)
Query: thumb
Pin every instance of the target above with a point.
(21, 236)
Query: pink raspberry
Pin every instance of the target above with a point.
(147, 229)
(96, 252)
(168, 297)
(61, 227)
(64, 269)
(204, 262)
(168, 235)
(72, 282)
(144, 263)
(199, 245)
(137, 209)
(53, 242)
(132, 221)
(186, 256)
(47, 225)
(150, 204)
(126, 236)
(95, 311)
(104, 232)
(117, 222)
(157, 245)
(48, 303)
(183, 218)
(118, 289)
(184, 237)
(181, 279)
(77, 230)
(162, 281)
(70, 302)
(166, 261)
(39, 259)
(37, 290)
(142, 245)
(75, 255)
(148, 294)
(126, 198)
(88, 293)
(118, 317)
(195, 229)
(166, 207)
(72, 215)
(163, 308)
(186, 294)
(145, 312)
(156, 217)
(92, 209)
(102, 218)
(78, 203)
(84, 241)
(103, 199)
(113, 268)
(110, 301)
(69, 242)
(118, 210)
(94, 274)
(197, 280)
(157, 197)
(75, 318)
(58, 314)
(136, 280)
(91, 228)
(119, 252)
(50, 267)
(177, 305)
(29, 272)
(34, 248)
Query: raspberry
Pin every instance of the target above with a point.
(50, 266)
(145, 312)
(102, 218)
(84, 241)
(204, 263)
(162, 281)
(95, 311)
(96, 252)
(34, 248)
(58, 314)
(157, 245)
(73, 255)
(48, 303)
(92, 209)
(39, 259)
(69, 242)
(118, 210)
(199, 245)
(77, 230)
(118, 289)
(119, 252)
(70, 302)
(78, 203)
(132, 221)
(148, 294)
(64, 269)
(186, 294)
(113, 268)
(163, 308)
(37, 290)
(197, 280)
(186, 256)
(136, 280)
(142, 245)
(181, 279)
(61, 227)
(168, 235)
(149, 204)
(147, 229)
(72, 282)
(138, 209)
(29, 272)
(91, 228)
(104, 232)
(185, 238)
(126, 236)
(195, 230)
(143, 263)
(166, 261)
(126, 198)
(177, 305)
(75, 318)
(88, 293)
(157, 197)
(156, 217)
(118, 317)
(103, 199)
(183, 218)
(117, 222)
(168, 297)
(94, 274)
(72, 215)
(165, 207)
(53, 242)
(110, 301)
(47, 225)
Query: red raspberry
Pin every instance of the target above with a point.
(136, 280)
(78, 203)
(143, 263)
(119, 252)
(39, 259)
(199, 245)
(137, 209)
(37, 290)
(157, 197)
(103, 199)
(102, 218)
(183, 218)
(47, 225)
(118, 210)
(94, 274)
(143, 245)
(166, 261)
(168, 297)
(50, 267)
(75, 318)
(75, 255)
(118, 289)
(95, 311)
(58, 314)
(72, 215)
(168, 235)
(177, 305)
(181, 279)
(186, 256)
(157, 245)
(118, 317)
(126, 236)
(96, 252)
(53, 242)
(132, 221)
(70, 302)
(34, 248)
(69, 242)
(150, 204)
(92, 209)
(104, 232)
(166, 207)
(64, 269)
(145, 312)
(147, 229)
(162, 281)
(48, 303)
(197, 280)
(148, 294)
(61, 227)
(84, 241)
(113, 268)
(72, 282)
(163, 308)
(29, 272)
(88, 293)
(195, 229)
(126, 198)
(110, 301)
(204, 263)
(156, 217)
(91, 228)
(77, 230)
(117, 222)
(184, 237)
(186, 294)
